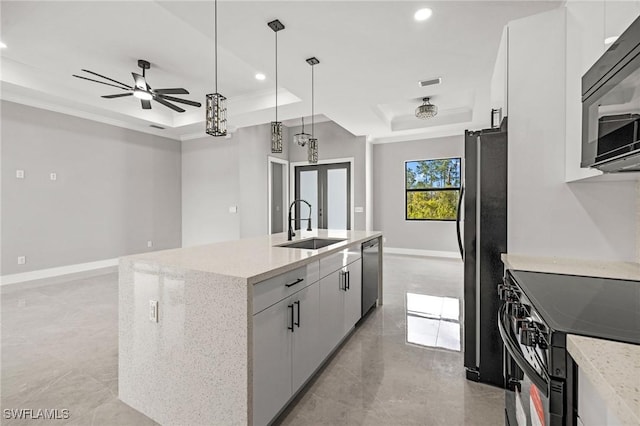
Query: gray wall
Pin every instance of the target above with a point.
(336, 142)
(116, 189)
(546, 216)
(389, 195)
(219, 173)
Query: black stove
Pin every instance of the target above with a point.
(539, 310)
(596, 307)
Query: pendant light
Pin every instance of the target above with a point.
(426, 110)
(312, 150)
(301, 138)
(216, 118)
(276, 126)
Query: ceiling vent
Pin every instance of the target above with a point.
(431, 82)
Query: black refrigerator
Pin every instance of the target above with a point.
(482, 237)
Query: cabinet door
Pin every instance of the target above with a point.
(331, 312)
(306, 354)
(271, 361)
(353, 296)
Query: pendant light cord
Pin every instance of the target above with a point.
(312, 102)
(215, 7)
(276, 76)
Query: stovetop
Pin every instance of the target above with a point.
(597, 307)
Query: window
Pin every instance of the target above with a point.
(432, 189)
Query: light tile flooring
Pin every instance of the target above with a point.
(60, 350)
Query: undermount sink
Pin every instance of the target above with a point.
(312, 243)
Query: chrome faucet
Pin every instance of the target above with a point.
(291, 233)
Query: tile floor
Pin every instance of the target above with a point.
(60, 350)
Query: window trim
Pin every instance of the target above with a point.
(407, 190)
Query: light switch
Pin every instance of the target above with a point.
(153, 310)
(19, 174)
(233, 209)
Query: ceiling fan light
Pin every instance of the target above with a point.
(216, 114)
(426, 110)
(142, 94)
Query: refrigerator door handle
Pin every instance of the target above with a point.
(458, 216)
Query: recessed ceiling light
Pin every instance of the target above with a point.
(2, 45)
(610, 40)
(423, 14)
(260, 76)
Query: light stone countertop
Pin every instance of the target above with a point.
(557, 265)
(613, 367)
(254, 259)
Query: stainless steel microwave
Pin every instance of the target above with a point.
(611, 107)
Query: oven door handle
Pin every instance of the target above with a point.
(511, 343)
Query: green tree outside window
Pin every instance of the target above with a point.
(432, 189)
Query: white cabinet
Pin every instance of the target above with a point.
(294, 332)
(340, 304)
(353, 295)
(272, 355)
(285, 351)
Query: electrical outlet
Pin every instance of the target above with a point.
(233, 209)
(153, 310)
(19, 174)
(53, 176)
(22, 260)
(149, 244)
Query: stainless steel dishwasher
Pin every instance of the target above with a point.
(369, 274)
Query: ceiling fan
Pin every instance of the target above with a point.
(143, 91)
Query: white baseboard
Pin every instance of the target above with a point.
(56, 272)
(426, 253)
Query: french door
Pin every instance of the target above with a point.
(327, 187)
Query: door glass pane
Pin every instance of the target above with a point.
(277, 198)
(309, 192)
(337, 199)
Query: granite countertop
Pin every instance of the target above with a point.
(253, 259)
(615, 369)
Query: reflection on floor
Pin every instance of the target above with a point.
(433, 321)
(60, 350)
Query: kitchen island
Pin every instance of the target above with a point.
(228, 333)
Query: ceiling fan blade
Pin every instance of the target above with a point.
(182, 101)
(145, 104)
(176, 91)
(141, 83)
(117, 96)
(167, 104)
(107, 78)
(101, 82)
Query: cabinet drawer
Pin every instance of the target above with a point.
(338, 260)
(268, 292)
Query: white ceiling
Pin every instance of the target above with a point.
(372, 55)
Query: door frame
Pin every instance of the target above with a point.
(350, 160)
(285, 189)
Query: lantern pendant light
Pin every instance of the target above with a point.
(276, 126)
(312, 150)
(216, 103)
